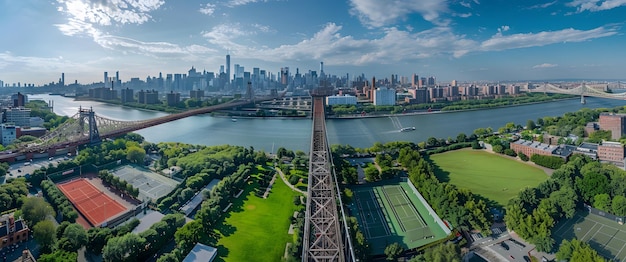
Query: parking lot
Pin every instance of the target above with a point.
(24, 168)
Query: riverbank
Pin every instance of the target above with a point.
(354, 116)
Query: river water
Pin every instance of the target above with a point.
(295, 134)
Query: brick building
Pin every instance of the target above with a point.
(616, 123)
(530, 148)
(12, 231)
(612, 152)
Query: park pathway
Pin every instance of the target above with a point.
(282, 176)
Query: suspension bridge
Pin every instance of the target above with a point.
(85, 127)
(583, 90)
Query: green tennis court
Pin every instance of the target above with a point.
(390, 212)
(604, 235)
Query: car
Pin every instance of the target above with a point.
(527, 259)
(19, 171)
(504, 245)
(511, 257)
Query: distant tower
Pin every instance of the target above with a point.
(228, 67)
(62, 79)
(321, 68)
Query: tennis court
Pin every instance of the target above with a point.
(151, 185)
(604, 235)
(95, 205)
(389, 212)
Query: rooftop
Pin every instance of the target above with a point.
(201, 252)
(537, 145)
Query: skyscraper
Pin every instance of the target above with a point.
(106, 78)
(228, 67)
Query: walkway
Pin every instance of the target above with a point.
(282, 176)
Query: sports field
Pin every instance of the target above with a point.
(492, 176)
(256, 229)
(95, 205)
(604, 235)
(151, 185)
(389, 212)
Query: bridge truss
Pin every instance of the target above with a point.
(581, 90)
(323, 239)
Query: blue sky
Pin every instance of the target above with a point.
(466, 40)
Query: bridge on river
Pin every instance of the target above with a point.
(85, 127)
(582, 90)
(326, 236)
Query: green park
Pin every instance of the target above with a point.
(492, 176)
(257, 225)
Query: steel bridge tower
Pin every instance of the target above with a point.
(326, 235)
(88, 116)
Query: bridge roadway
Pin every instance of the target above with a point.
(323, 239)
(28, 152)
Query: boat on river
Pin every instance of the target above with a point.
(407, 129)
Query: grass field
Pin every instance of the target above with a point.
(492, 176)
(256, 230)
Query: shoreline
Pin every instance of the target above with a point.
(354, 116)
(442, 112)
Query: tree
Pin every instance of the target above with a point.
(522, 156)
(58, 256)
(441, 253)
(462, 137)
(592, 184)
(76, 237)
(36, 209)
(135, 154)
(45, 234)
(123, 248)
(393, 251)
(602, 202)
(188, 235)
(619, 205)
(530, 125)
(577, 251)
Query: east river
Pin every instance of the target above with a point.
(295, 134)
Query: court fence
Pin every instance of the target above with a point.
(430, 209)
(598, 212)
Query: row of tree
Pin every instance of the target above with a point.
(58, 201)
(119, 184)
(139, 247)
(535, 211)
(11, 194)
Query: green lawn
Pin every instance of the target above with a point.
(256, 230)
(492, 176)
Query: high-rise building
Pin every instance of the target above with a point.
(384, 96)
(18, 116)
(228, 68)
(415, 80)
(106, 79)
(62, 79)
(19, 99)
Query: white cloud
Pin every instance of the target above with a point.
(596, 5)
(544, 65)
(500, 42)
(378, 13)
(207, 9)
(234, 3)
(503, 28)
(466, 4)
(154, 49)
(541, 6)
(83, 15)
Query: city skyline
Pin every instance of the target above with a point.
(468, 40)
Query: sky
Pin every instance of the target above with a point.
(464, 40)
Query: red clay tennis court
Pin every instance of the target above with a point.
(95, 205)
